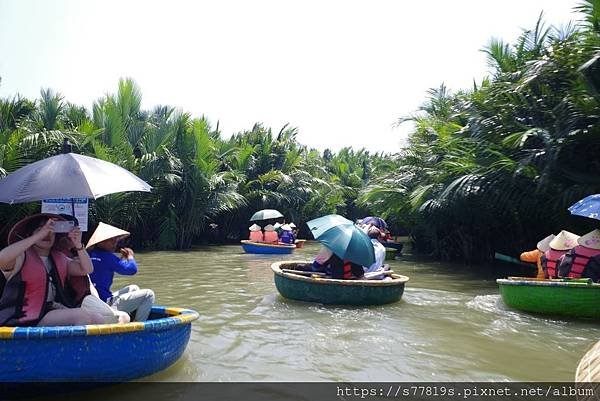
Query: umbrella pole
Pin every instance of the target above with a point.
(73, 212)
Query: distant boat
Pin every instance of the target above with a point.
(563, 297)
(95, 353)
(300, 243)
(267, 249)
(302, 286)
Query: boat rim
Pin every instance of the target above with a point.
(264, 244)
(396, 278)
(548, 283)
(175, 317)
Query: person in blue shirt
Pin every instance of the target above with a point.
(103, 244)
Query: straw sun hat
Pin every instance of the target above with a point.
(590, 240)
(564, 241)
(105, 231)
(269, 227)
(20, 230)
(544, 245)
(254, 227)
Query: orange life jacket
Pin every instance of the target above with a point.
(256, 236)
(23, 300)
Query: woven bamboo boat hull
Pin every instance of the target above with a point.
(267, 249)
(300, 243)
(337, 292)
(95, 353)
(552, 297)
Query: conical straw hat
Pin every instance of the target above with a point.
(17, 232)
(292, 225)
(269, 227)
(590, 240)
(564, 241)
(277, 225)
(105, 231)
(286, 227)
(254, 227)
(544, 245)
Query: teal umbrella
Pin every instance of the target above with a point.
(343, 238)
(266, 214)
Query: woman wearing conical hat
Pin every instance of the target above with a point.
(583, 261)
(103, 245)
(36, 274)
(256, 233)
(535, 256)
(559, 246)
(271, 236)
(287, 236)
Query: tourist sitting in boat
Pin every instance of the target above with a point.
(36, 275)
(559, 246)
(270, 235)
(256, 233)
(287, 236)
(332, 265)
(294, 229)
(536, 255)
(130, 299)
(376, 237)
(583, 261)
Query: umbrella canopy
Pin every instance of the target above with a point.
(266, 214)
(343, 238)
(587, 207)
(375, 221)
(68, 175)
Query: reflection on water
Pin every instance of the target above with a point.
(449, 325)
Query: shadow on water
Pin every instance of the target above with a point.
(450, 325)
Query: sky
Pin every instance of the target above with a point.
(341, 71)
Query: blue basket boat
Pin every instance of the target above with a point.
(267, 249)
(95, 353)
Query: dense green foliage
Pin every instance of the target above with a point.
(495, 168)
(199, 178)
(492, 168)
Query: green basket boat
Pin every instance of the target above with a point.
(572, 298)
(331, 291)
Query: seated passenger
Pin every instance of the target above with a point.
(36, 275)
(583, 261)
(559, 246)
(376, 236)
(130, 299)
(344, 269)
(270, 235)
(287, 236)
(535, 256)
(256, 233)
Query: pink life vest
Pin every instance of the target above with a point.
(256, 236)
(271, 237)
(23, 301)
(578, 261)
(550, 262)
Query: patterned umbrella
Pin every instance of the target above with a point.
(587, 207)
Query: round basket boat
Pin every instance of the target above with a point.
(587, 375)
(95, 353)
(267, 249)
(572, 298)
(331, 291)
(300, 243)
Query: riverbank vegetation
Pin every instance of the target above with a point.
(489, 168)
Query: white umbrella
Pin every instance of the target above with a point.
(68, 175)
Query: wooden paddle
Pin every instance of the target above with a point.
(373, 275)
(510, 259)
(303, 272)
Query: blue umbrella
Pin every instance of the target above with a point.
(587, 207)
(343, 238)
(375, 221)
(266, 214)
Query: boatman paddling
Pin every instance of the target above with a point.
(103, 245)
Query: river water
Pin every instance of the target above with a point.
(450, 325)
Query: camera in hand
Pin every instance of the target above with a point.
(63, 226)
